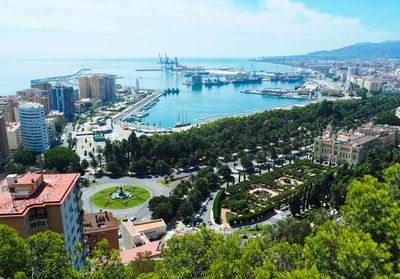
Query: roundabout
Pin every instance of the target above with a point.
(120, 197)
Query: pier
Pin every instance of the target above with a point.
(61, 79)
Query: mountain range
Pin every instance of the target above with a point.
(366, 50)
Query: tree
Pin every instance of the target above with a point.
(24, 157)
(292, 230)
(84, 164)
(47, 256)
(189, 256)
(372, 208)
(139, 167)
(225, 171)
(162, 167)
(14, 252)
(93, 163)
(114, 168)
(338, 251)
(60, 158)
(161, 207)
(246, 162)
(105, 263)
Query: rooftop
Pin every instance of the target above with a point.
(53, 191)
(131, 254)
(137, 229)
(100, 221)
(30, 105)
(12, 126)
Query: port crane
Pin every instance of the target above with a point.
(169, 64)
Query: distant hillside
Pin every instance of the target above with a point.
(387, 49)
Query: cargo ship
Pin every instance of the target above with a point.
(247, 80)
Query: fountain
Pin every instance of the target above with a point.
(121, 194)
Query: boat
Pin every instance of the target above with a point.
(247, 80)
(184, 122)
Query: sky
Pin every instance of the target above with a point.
(189, 28)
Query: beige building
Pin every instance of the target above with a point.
(142, 233)
(14, 136)
(360, 82)
(98, 226)
(373, 85)
(97, 87)
(352, 147)
(35, 95)
(84, 88)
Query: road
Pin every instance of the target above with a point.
(141, 211)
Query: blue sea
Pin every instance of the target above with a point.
(195, 103)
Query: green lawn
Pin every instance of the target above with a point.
(102, 198)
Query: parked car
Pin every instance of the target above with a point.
(133, 218)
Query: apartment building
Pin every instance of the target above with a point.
(98, 226)
(35, 202)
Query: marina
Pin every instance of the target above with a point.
(216, 96)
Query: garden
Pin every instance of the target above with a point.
(258, 196)
(119, 197)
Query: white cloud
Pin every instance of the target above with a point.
(136, 28)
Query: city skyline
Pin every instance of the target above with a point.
(108, 29)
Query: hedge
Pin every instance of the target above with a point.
(217, 205)
(266, 211)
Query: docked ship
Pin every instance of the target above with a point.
(181, 123)
(287, 78)
(214, 82)
(247, 80)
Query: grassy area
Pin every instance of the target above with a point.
(254, 229)
(169, 183)
(102, 198)
(229, 216)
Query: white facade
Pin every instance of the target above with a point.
(33, 126)
(71, 217)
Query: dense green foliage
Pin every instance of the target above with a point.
(62, 159)
(363, 244)
(217, 206)
(287, 129)
(185, 200)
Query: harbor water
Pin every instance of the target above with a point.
(194, 104)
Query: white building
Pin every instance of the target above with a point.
(33, 125)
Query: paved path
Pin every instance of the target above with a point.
(141, 211)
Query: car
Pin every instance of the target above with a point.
(119, 235)
(133, 218)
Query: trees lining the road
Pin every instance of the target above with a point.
(185, 200)
(271, 132)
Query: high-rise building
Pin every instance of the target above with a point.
(33, 125)
(98, 87)
(35, 95)
(84, 88)
(51, 131)
(14, 136)
(47, 87)
(63, 100)
(37, 202)
(7, 105)
(4, 149)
